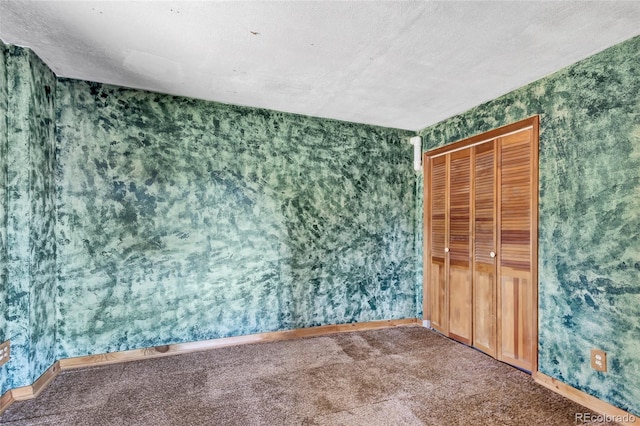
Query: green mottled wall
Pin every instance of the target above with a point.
(589, 247)
(3, 207)
(181, 220)
(29, 288)
(418, 242)
(42, 259)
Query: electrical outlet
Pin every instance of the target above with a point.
(598, 360)
(5, 351)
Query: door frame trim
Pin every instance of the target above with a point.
(531, 122)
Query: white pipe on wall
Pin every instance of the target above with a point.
(416, 141)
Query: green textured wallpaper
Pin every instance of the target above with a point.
(418, 243)
(3, 206)
(589, 246)
(17, 290)
(42, 253)
(180, 220)
(29, 287)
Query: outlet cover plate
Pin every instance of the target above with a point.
(599, 360)
(5, 352)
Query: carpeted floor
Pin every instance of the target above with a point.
(397, 376)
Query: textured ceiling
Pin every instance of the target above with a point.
(396, 64)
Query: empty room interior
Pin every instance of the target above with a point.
(319, 212)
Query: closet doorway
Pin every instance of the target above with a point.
(480, 237)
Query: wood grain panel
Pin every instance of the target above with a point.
(438, 201)
(517, 301)
(515, 200)
(438, 294)
(484, 316)
(459, 279)
(516, 345)
(460, 304)
(484, 274)
(517, 305)
(485, 203)
(460, 206)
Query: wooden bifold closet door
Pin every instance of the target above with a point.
(481, 242)
(438, 217)
(484, 252)
(450, 266)
(458, 250)
(517, 233)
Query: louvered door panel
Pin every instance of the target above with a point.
(484, 271)
(516, 293)
(437, 239)
(459, 282)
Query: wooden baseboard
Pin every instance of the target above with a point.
(22, 393)
(5, 401)
(182, 348)
(612, 412)
(32, 391)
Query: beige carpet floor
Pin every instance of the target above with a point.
(398, 376)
